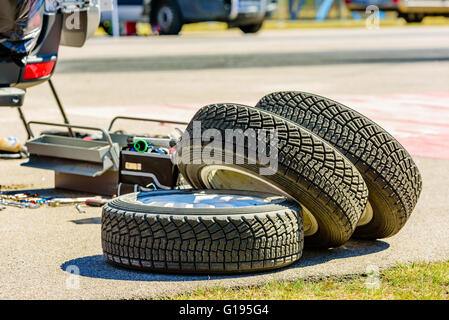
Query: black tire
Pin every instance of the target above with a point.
(251, 28)
(413, 18)
(309, 170)
(201, 240)
(392, 177)
(167, 16)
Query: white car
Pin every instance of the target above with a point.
(416, 10)
(410, 10)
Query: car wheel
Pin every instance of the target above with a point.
(414, 18)
(167, 17)
(306, 169)
(207, 231)
(393, 179)
(251, 28)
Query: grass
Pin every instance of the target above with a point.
(313, 24)
(417, 281)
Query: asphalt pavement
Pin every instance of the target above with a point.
(397, 76)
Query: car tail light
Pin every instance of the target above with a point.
(38, 70)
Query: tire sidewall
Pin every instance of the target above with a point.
(388, 218)
(330, 227)
(251, 28)
(173, 26)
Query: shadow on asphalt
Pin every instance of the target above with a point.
(352, 248)
(253, 60)
(87, 221)
(96, 266)
(49, 193)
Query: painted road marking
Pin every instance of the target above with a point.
(420, 122)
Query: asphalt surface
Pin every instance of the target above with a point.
(397, 76)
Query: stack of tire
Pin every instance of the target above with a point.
(338, 175)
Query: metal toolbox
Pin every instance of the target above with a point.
(98, 153)
(99, 166)
(144, 169)
(73, 155)
(82, 165)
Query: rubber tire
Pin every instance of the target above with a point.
(251, 28)
(393, 179)
(413, 18)
(201, 240)
(309, 170)
(176, 26)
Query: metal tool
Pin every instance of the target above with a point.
(61, 201)
(18, 204)
(79, 208)
(141, 144)
(96, 202)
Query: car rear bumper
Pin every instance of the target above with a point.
(10, 73)
(424, 7)
(362, 7)
(251, 9)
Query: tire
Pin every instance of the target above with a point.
(392, 177)
(331, 191)
(413, 18)
(251, 28)
(243, 239)
(167, 16)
